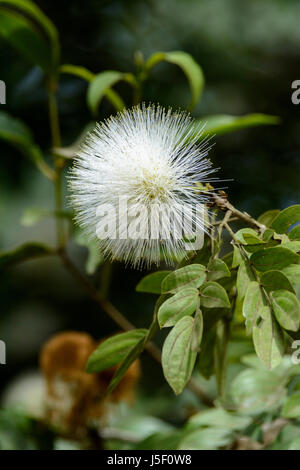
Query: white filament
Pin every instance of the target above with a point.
(148, 159)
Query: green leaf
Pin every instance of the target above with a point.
(217, 269)
(178, 359)
(181, 304)
(292, 245)
(294, 234)
(286, 309)
(192, 70)
(219, 418)
(214, 296)
(99, 87)
(77, 71)
(275, 280)
(267, 217)
(152, 282)
(248, 236)
(256, 390)
(223, 123)
(23, 253)
(16, 133)
(286, 218)
(244, 276)
(113, 350)
(249, 239)
(252, 304)
(292, 272)
(26, 27)
(291, 408)
(192, 275)
(268, 339)
(273, 258)
(268, 235)
(197, 331)
(133, 354)
(188, 65)
(237, 257)
(207, 439)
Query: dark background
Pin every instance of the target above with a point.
(250, 54)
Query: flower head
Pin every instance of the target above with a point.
(135, 185)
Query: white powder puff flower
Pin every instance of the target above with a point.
(135, 185)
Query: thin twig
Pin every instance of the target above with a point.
(222, 202)
(223, 223)
(219, 222)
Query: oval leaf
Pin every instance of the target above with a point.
(152, 282)
(132, 355)
(253, 302)
(223, 123)
(292, 272)
(214, 296)
(178, 359)
(192, 275)
(267, 217)
(244, 276)
(293, 245)
(294, 234)
(99, 86)
(188, 65)
(181, 304)
(192, 70)
(268, 339)
(275, 280)
(217, 269)
(286, 218)
(273, 258)
(286, 309)
(248, 236)
(113, 350)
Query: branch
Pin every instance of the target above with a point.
(221, 201)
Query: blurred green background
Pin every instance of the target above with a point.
(250, 54)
